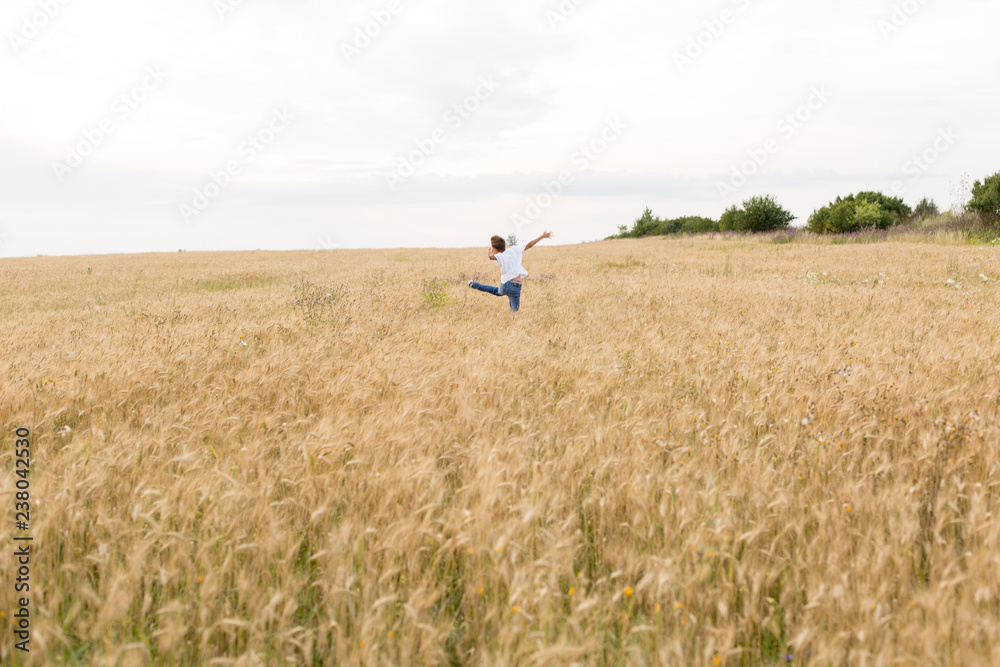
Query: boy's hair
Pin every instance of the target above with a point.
(498, 243)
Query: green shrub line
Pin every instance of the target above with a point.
(860, 216)
(866, 210)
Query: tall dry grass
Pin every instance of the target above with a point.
(687, 451)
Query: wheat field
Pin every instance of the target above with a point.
(699, 451)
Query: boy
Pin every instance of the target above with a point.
(511, 270)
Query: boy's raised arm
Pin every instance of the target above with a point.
(546, 235)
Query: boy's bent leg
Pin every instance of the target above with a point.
(489, 289)
(513, 292)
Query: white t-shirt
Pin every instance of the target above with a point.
(510, 263)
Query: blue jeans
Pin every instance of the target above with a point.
(510, 289)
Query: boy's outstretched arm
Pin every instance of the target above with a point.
(546, 235)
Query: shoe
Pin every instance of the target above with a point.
(470, 283)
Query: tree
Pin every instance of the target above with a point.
(511, 241)
(819, 221)
(986, 198)
(926, 209)
(645, 224)
(763, 214)
(731, 220)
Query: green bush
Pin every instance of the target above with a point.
(669, 227)
(867, 213)
(759, 214)
(986, 198)
(926, 209)
(692, 224)
(898, 210)
(763, 214)
(696, 224)
(731, 220)
(645, 224)
(648, 223)
(866, 210)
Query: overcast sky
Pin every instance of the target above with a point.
(241, 124)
